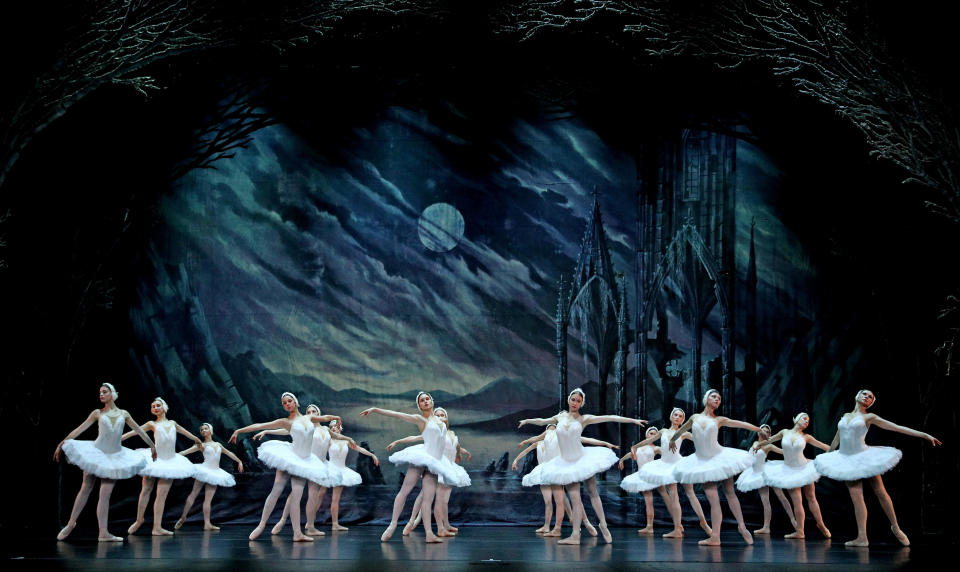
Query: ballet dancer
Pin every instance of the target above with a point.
(577, 464)
(855, 462)
(350, 478)
(315, 491)
(660, 472)
(751, 479)
(426, 461)
(796, 472)
(548, 447)
(452, 452)
(168, 466)
(293, 461)
(711, 464)
(208, 475)
(633, 483)
(103, 459)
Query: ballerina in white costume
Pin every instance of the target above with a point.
(660, 471)
(168, 466)
(208, 475)
(548, 447)
(711, 464)
(338, 458)
(292, 461)
(633, 483)
(751, 479)
(856, 462)
(315, 491)
(452, 452)
(104, 459)
(796, 472)
(426, 460)
(577, 463)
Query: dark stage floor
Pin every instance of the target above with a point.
(476, 548)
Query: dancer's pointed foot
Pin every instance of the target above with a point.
(555, 533)
(826, 531)
(646, 530)
(388, 532)
(795, 535)
(572, 539)
(607, 537)
(105, 536)
(712, 541)
(338, 526)
(278, 528)
(301, 537)
(900, 535)
(160, 531)
(66, 530)
(257, 532)
(675, 533)
(858, 542)
(706, 527)
(312, 531)
(210, 526)
(133, 527)
(179, 523)
(590, 528)
(764, 530)
(747, 537)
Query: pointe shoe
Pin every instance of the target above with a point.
(710, 542)
(826, 531)
(646, 530)
(312, 531)
(607, 537)
(747, 537)
(178, 524)
(590, 528)
(900, 535)
(257, 532)
(209, 526)
(65, 531)
(388, 532)
(555, 533)
(338, 527)
(302, 538)
(542, 530)
(133, 527)
(278, 528)
(408, 528)
(107, 537)
(857, 543)
(433, 539)
(762, 531)
(675, 533)
(706, 528)
(161, 532)
(573, 539)
(795, 535)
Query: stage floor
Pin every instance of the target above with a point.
(475, 548)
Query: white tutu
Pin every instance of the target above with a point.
(121, 464)
(217, 476)
(337, 452)
(750, 480)
(281, 456)
(855, 460)
(462, 480)
(176, 467)
(558, 471)
(695, 470)
(418, 456)
(658, 472)
(868, 463)
(782, 476)
(634, 484)
(349, 477)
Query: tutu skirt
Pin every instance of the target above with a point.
(870, 462)
(750, 480)
(634, 483)
(348, 477)
(658, 472)
(217, 476)
(176, 467)
(463, 479)
(123, 464)
(279, 455)
(558, 471)
(725, 464)
(778, 474)
(418, 456)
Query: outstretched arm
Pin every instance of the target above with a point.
(362, 451)
(816, 442)
(538, 421)
(539, 437)
(318, 419)
(409, 439)
(647, 441)
(727, 422)
(591, 419)
(835, 443)
(522, 454)
(260, 435)
(187, 434)
(597, 443)
(773, 439)
(342, 437)
(889, 426)
(139, 431)
(773, 448)
(233, 457)
(275, 424)
(73, 434)
(418, 420)
(148, 426)
(191, 449)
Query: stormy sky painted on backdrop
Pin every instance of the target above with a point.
(314, 262)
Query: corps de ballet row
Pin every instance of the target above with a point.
(315, 456)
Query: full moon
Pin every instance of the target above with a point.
(441, 227)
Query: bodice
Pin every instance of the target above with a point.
(704, 430)
(645, 454)
(793, 444)
(165, 438)
(666, 455)
(211, 455)
(321, 442)
(759, 458)
(434, 435)
(853, 434)
(568, 433)
(337, 451)
(109, 431)
(301, 433)
(450, 447)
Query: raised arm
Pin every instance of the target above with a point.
(260, 435)
(409, 439)
(591, 419)
(539, 421)
(522, 455)
(275, 424)
(816, 442)
(737, 424)
(73, 434)
(597, 443)
(890, 426)
(318, 419)
(418, 420)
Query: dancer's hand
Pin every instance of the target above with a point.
(633, 454)
(56, 453)
(522, 423)
(673, 446)
(640, 422)
(620, 464)
(932, 439)
(233, 438)
(366, 412)
(391, 446)
(239, 466)
(153, 453)
(259, 435)
(514, 465)
(376, 461)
